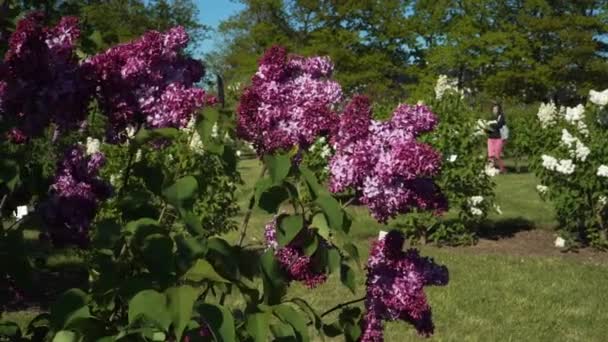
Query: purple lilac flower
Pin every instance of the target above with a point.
(293, 261)
(148, 82)
(41, 81)
(289, 103)
(395, 284)
(76, 194)
(390, 170)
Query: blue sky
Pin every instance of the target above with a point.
(212, 12)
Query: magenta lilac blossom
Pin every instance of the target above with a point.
(383, 162)
(293, 261)
(290, 102)
(41, 81)
(395, 287)
(148, 82)
(76, 194)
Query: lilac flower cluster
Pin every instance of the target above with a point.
(76, 193)
(390, 170)
(289, 103)
(294, 262)
(41, 81)
(148, 82)
(395, 284)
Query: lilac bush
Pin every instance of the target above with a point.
(395, 284)
(383, 162)
(75, 196)
(148, 82)
(40, 66)
(290, 102)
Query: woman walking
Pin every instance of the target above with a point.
(497, 135)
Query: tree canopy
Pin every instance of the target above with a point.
(521, 49)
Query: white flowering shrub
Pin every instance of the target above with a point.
(465, 178)
(572, 165)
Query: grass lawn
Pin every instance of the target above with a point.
(509, 294)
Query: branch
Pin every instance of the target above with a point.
(249, 210)
(340, 306)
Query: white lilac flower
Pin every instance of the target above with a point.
(382, 234)
(138, 155)
(93, 145)
(476, 211)
(196, 144)
(238, 153)
(20, 212)
(490, 170)
(190, 126)
(547, 114)
(452, 158)
(575, 114)
(542, 189)
(130, 131)
(576, 146)
(560, 242)
(498, 210)
(566, 166)
(603, 200)
(549, 162)
(602, 171)
(446, 85)
(599, 98)
(114, 179)
(475, 200)
(214, 130)
(420, 103)
(325, 152)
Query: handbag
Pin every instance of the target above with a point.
(504, 132)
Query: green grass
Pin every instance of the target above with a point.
(490, 297)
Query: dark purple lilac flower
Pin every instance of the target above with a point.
(395, 287)
(148, 82)
(390, 170)
(289, 103)
(41, 81)
(294, 262)
(76, 194)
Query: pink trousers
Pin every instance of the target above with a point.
(495, 148)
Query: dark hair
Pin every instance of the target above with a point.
(499, 105)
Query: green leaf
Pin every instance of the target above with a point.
(278, 167)
(66, 336)
(306, 307)
(269, 197)
(203, 270)
(294, 318)
(144, 136)
(153, 177)
(352, 250)
(311, 245)
(204, 128)
(274, 283)
(257, 326)
(192, 222)
(220, 321)
(151, 306)
(288, 227)
(69, 306)
(332, 330)
(9, 173)
(283, 332)
(180, 301)
(311, 180)
(97, 39)
(352, 332)
(107, 233)
(142, 228)
(334, 260)
(181, 194)
(10, 329)
(157, 252)
(320, 222)
(332, 209)
(190, 248)
(347, 276)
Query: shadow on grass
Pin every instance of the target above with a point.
(504, 228)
